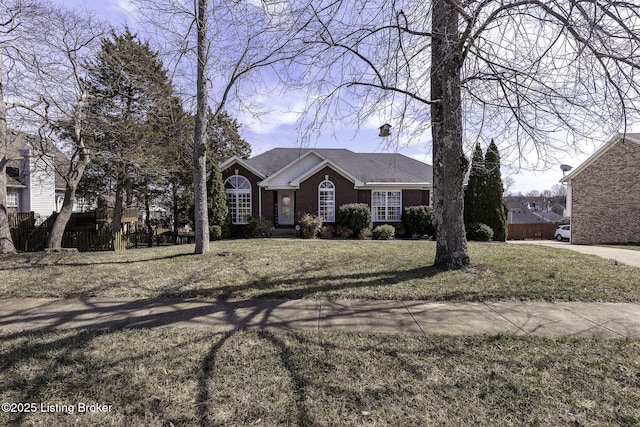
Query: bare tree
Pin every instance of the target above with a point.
(508, 183)
(65, 41)
(559, 191)
(13, 14)
(234, 41)
(544, 76)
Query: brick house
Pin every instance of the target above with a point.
(281, 182)
(603, 194)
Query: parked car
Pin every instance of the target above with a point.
(563, 233)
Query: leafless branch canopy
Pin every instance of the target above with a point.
(537, 75)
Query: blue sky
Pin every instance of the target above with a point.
(277, 126)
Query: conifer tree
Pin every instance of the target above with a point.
(474, 194)
(216, 201)
(496, 209)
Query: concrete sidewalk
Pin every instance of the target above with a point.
(607, 320)
(625, 256)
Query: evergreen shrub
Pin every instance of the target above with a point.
(479, 232)
(419, 221)
(384, 232)
(354, 216)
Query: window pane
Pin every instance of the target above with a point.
(12, 199)
(231, 200)
(239, 198)
(326, 200)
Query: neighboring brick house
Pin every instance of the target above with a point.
(603, 194)
(282, 182)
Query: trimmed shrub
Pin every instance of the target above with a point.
(258, 227)
(215, 232)
(419, 221)
(355, 216)
(479, 232)
(310, 225)
(384, 232)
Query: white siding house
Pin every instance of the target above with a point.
(38, 177)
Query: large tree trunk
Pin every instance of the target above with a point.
(54, 241)
(74, 175)
(6, 241)
(200, 137)
(449, 161)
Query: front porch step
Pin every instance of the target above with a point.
(283, 232)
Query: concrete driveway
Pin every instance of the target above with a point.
(624, 256)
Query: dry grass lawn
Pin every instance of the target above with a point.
(268, 378)
(335, 269)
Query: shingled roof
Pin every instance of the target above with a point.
(366, 167)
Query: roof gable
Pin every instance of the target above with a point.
(631, 137)
(243, 162)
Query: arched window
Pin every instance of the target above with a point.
(327, 201)
(238, 189)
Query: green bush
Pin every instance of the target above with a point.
(419, 221)
(258, 227)
(215, 232)
(384, 232)
(354, 216)
(310, 225)
(399, 229)
(479, 232)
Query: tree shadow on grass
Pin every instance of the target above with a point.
(305, 285)
(66, 367)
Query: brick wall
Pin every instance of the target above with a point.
(606, 198)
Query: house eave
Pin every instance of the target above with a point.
(326, 163)
(290, 164)
(398, 185)
(265, 186)
(21, 186)
(242, 162)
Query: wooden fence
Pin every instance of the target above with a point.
(20, 225)
(542, 231)
(28, 238)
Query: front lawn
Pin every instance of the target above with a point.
(166, 377)
(332, 269)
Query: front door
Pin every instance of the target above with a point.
(286, 207)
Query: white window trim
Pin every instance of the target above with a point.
(236, 192)
(374, 213)
(333, 191)
(10, 195)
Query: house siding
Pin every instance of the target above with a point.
(294, 171)
(39, 196)
(307, 195)
(415, 198)
(606, 198)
